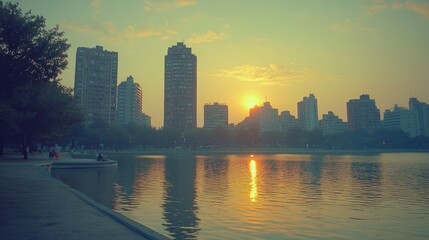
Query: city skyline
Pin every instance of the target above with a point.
(276, 51)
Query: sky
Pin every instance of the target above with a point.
(254, 51)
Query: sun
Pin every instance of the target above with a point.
(251, 101)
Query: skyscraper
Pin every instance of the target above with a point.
(265, 117)
(287, 121)
(404, 119)
(215, 115)
(308, 114)
(96, 76)
(146, 120)
(129, 102)
(331, 124)
(180, 88)
(363, 114)
(422, 110)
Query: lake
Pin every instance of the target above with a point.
(277, 196)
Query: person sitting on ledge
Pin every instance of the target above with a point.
(100, 157)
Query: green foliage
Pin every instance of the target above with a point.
(32, 102)
(133, 136)
(28, 51)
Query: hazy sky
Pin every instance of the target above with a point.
(250, 51)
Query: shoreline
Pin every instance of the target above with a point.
(226, 151)
(29, 191)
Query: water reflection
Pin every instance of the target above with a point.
(311, 179)
(367, 182)
(215, 176)
(253, 184)
(180, 208)
(282, 196)
(137, 181)
(96, 183)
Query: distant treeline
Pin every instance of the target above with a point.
(98, 134)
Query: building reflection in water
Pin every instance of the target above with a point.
(97, 183)
(253, 182)
(367, 181)
(138, 178)
(214, 171)
(272, 196)
(180, 208)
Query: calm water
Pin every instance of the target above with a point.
(283, 196)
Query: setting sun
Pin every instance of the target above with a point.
(251, 101)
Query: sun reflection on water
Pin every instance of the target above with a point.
(253, 184)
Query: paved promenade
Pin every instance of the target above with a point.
(34, 205)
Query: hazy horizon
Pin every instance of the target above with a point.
(251, 52)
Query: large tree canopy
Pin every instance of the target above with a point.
(31, 59)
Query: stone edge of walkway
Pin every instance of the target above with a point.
(120, 218)
(129, 223)
(133, 225)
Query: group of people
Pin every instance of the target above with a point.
(53, 153)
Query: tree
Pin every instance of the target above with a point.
(31, 59)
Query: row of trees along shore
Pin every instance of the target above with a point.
(98, 134)
(36, 108)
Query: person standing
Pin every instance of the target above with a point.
(51, 153)
(26, 152)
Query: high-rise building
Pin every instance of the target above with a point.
(363, 114)
(403, 119)
(307, 113)
(215, 115)
(146, 120)
(331, 124)
(266, 117)
(129, 102)
(287, 121)
(96, 75)
(422, 110)
(180, 88)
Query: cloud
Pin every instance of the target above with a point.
(421, 8)
(107, 31)
(378, 6)
(185, 3)
(349, 25)
(96, 3)
(206, 37)
(273, 74)
(341, 27)
(157, 5)
(79, 28)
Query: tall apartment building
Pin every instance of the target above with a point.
(403, 119)
(266, 117)
(422, 110)
(96, 75)
(129, 103)
(363, 114)
(331, 124)
(146, 120)
(215, 115)
(180, 88)
(308, 114)
(287, 121)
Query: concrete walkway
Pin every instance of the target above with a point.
(34, 205)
